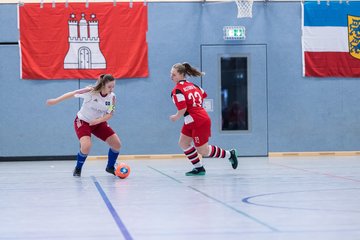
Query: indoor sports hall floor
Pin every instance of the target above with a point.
(265, 198)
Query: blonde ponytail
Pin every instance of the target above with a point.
(186, 69)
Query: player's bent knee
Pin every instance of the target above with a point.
(117, 146)
(114, 142)
(184, 145)
(85, 149)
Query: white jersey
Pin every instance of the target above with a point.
(94, 105)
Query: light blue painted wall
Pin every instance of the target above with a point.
(304, 114)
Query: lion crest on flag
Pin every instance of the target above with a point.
(354, 36)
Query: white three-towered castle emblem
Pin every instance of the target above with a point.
(84, 44)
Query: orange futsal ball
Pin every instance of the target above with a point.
(122, 170)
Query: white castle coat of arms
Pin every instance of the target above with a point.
(84, 44)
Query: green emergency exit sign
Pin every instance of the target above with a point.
(234, 32)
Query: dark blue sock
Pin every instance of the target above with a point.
(80, 159)
(112, 157)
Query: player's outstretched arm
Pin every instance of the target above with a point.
(53, 101)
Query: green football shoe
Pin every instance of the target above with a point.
(199, 171)
(233, 158)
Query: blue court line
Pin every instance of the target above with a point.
(219, 201)
(316, 172)
(112, 210)
(248, 200)
(178, 181)
(235, 209)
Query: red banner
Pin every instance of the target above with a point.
(82, 42)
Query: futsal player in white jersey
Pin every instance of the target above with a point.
(97, 108)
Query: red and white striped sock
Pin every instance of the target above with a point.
(216, 152)
(192, 154)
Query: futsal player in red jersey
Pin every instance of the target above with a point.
(196, 130)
